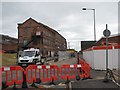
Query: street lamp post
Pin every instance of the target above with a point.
(94, 21)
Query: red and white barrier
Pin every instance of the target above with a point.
(45, 73)
(86, 67)
(72, 71)
(13, 75)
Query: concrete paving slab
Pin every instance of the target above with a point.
(93, 84)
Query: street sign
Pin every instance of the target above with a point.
(106, 32)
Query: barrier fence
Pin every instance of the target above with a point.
(85, 67)
(44, 73)
(12, 75)
(70, 71)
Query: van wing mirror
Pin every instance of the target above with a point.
(37, 55)
(19, 55)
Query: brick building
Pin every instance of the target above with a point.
(32, 34)
(8, 44)
(113, 39)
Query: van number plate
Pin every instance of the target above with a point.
(24, 64)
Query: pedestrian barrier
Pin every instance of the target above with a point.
(85, 67)
(42, 73)
(0, 76)
(70, 71)
(12, 75)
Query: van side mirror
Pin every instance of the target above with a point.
(19, 55)
(37, 55)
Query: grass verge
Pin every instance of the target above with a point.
(8, 59)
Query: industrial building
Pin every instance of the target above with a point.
(33, 34)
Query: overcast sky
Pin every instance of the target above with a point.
(65, 17)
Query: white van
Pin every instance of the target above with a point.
(30, 56)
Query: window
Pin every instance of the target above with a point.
(25, 42)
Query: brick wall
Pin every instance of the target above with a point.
(47, 39)
(8, 44)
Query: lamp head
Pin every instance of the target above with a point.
(83, 8)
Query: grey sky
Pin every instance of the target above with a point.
(74, 24)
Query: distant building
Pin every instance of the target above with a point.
(87, 44)
(96, 55)
(8, 44)
(71, 52)
(33, 34)
(113, 39)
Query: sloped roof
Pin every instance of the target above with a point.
(45, 26)
(5, 39)
(111, 36)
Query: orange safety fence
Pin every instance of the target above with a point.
(45, 73)
(12, 75)
(0, 76)
(71, 71)
(85, 67)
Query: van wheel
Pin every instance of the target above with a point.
(34, 62)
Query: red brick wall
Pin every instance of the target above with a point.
(10, 47)
(49, 40)
(115, 39)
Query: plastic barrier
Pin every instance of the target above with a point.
(85, 67)
(71, 71)
(0, 76)
(43, 73)
(12, 75)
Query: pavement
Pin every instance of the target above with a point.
(117, 75)
(97, 74)
(93, 84)
(96, 82)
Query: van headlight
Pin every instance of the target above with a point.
(31, 60)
